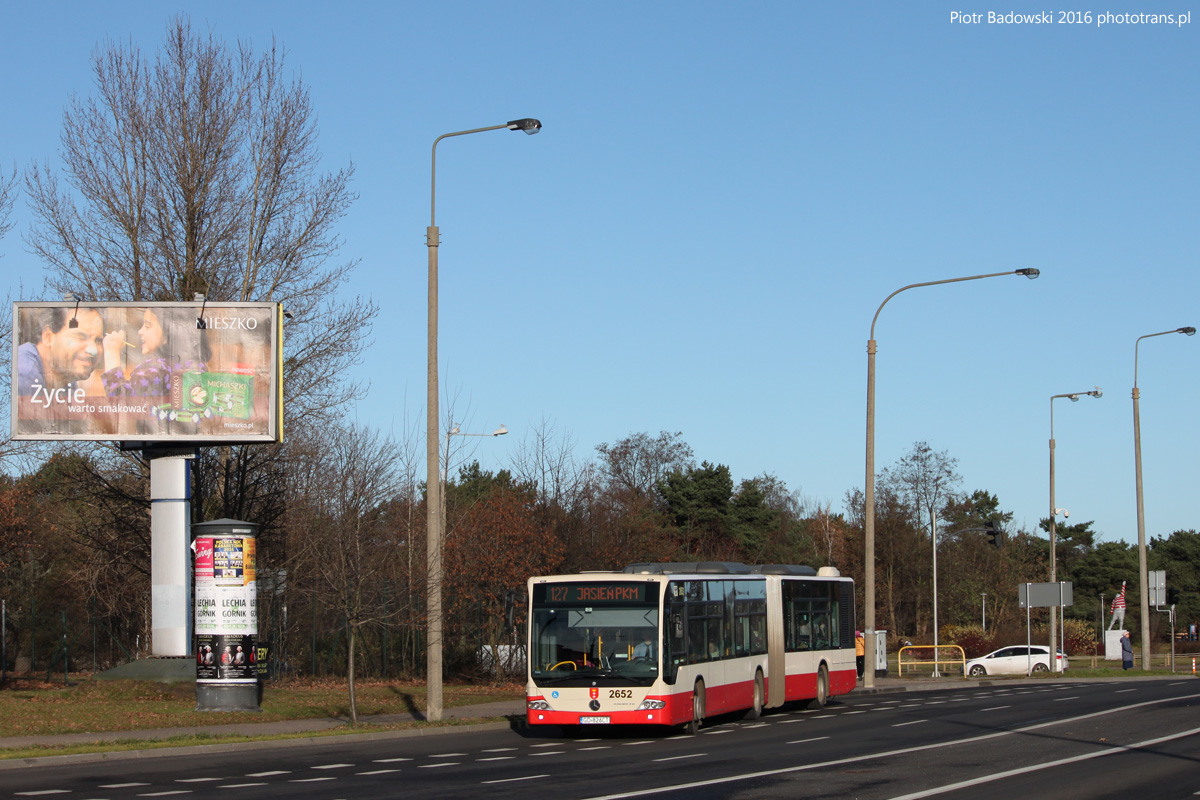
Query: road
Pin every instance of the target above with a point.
(1084, 739)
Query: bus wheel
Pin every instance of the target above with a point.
(693, 727)
(822, 689)
(756, 710)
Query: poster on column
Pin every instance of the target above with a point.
(147, 372)
(226, 608)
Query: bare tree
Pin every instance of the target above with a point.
(344, 479)
(8, 198)
(927, 479)
(545, 460)
(638, 463)
(197, 170)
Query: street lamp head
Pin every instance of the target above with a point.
(1190, 331)
(529, 125)
(1029, 272)
(500, 431)
(1074, 398)
(1097, 392)
(453, 431)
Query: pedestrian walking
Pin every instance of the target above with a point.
(1126, 650)
(860, 652)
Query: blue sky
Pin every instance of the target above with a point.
(722, 196)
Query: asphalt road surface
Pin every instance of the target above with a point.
(1059, 739)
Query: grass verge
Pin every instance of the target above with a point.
(34, 708)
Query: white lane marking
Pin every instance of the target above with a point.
(446, 755)
(935, 702)
(197, 780)
(241, 785)
(510, 749)
(43, 791)
(634, 744)
(121, 785)
(544, 744)
(848, 713)
(587, 740)
(714, 733)
(439, 764)
(764, 724)
(1121, 748)
(312, 780)
(496, 758)
(901, 752)
(331, 766)
(376, 761)
(825, 716)
(165, 794)
(548, 753)
(1060, 699)
(787, 721)
(914, 722)
(600, 747)
(377, 772)
(269, 774)
(677, 758)
(1123, 691)
(806, 741)
(523, 778)
(996, 708)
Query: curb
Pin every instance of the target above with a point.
(228, 747)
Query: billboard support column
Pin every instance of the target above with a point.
(170, 568)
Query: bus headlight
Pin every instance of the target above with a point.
(538, 705)
(651, 705)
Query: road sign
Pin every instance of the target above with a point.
(1046, 595)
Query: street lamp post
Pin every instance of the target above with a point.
(1074, 398)
(455, 431)
(869, 492)
(984, 596)
(1143, 598)
(433, 487)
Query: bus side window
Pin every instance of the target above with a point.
(803, 631)
(695, 638)
(676, 654)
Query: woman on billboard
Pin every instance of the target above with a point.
(167, 346)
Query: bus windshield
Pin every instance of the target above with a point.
(583, 631)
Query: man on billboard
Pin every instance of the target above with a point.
(61, 348)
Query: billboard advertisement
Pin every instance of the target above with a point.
(147, 372)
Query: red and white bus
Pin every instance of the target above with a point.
(671, 644)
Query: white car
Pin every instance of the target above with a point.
(1014, 661)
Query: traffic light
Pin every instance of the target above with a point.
(994, 532)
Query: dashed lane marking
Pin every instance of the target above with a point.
(522, 778)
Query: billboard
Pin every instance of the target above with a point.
(147, 372)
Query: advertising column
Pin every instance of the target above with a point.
(226, 616)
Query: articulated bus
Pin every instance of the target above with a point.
(670, 644)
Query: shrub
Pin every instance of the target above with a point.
(972, 639)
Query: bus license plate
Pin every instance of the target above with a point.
(594, 720)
